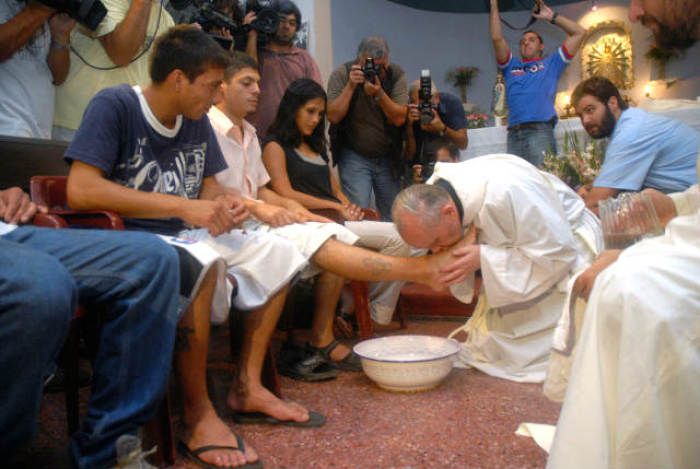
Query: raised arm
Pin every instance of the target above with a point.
(574, 31)
(500, 46)
(394, 112)
(16, 32)
(59, 57)
(251, 46)
(339, 103)
(412, 116)
(126, 39)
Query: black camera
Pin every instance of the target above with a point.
(206, 15)
(89, 13)
(425, 95)
(370, 69)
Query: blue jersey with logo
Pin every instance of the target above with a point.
(531, 86)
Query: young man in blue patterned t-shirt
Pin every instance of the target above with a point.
(531, 84)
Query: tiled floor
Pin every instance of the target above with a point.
(467, 422)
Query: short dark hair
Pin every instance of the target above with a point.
(600, 88)
(239, 61)
(444, 142)
(187, 48)
(535, 33)
(284, 129)
(286, 7)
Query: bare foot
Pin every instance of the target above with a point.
(211, 430)
(262, 400)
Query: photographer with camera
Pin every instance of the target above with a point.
(119, 55)
(33, 58)
(367, 101)
(432, 115)
(279, 63)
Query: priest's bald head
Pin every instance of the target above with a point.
(426, 217)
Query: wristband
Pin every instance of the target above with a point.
(58, 46)
(554, 17)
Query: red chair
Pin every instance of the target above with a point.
(51, 192)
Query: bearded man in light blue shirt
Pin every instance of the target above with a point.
(644, 151)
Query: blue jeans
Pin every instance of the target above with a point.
(531, 144)
(360, 175)
(44, 272)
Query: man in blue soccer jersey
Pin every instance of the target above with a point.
(531, 83)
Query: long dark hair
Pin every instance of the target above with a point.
(284, 129)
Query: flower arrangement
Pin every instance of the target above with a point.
(476, 120)
(461, 78)
(579, 164)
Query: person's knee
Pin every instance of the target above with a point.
(47, 291)
(156, 255)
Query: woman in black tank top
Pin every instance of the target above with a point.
(295, 151)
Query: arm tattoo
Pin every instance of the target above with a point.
(377, 266)
(182, 341)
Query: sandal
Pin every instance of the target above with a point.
(351, 362)
(311, 367)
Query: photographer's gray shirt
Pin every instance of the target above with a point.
(367, 134)
(27, 93)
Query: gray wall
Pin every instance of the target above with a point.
(440, 41)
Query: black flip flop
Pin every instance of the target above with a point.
(315, 419)
(194, 454)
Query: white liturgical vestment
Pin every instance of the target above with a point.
(534, 232)
(633, 399)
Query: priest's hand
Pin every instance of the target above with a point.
(468, 259)
(584, 283)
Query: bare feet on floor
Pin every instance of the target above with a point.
(210, 430)
(262, 400)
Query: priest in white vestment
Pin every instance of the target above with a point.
(633, 398)
(532, 234)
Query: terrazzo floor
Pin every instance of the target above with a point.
(467, 422)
